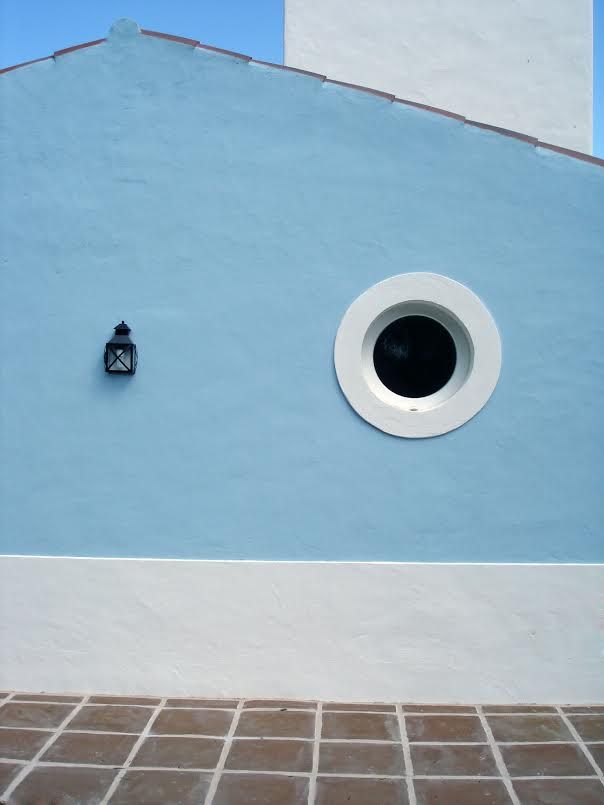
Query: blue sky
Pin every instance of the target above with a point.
(33, 28)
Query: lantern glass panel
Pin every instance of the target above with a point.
(119, 358)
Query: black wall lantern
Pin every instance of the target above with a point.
(120, 353)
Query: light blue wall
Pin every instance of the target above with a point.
(230, 213)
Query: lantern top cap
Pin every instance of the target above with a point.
(122, 328)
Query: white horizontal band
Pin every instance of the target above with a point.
(458, 633)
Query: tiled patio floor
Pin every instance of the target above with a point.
(90, 750)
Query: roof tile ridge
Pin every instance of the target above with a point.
(435, 109)
(569, 152)
(183, 40)
(24, 64)
(290, 69)
(499, 130)
(77, 47)
(388, 95)
(171, 37)
(233, 53)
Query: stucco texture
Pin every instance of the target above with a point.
(230, 213)
(526, 65)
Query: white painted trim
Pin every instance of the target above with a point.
(457, 633)
(477, 343)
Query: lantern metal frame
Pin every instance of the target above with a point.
(121, 340)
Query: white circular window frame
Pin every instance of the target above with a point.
(477, 344)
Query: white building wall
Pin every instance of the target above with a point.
(520, 64)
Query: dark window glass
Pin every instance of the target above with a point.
(414, 356)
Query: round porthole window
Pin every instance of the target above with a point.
(414, 356)
(417, 355)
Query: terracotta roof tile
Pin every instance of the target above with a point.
(182, 39)
(570, 153)
(358, 87)
(233, 53)
(506, 132)
(427, 108)
(290, 69)
(77, 47)
(23, 64)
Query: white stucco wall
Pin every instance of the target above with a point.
(364, 631)
(521, 64)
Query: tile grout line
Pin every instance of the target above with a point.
(223, 754)
(53, 737)
(499, 761)
(131, 755)
(431, 714)
(89, 704)
(268, 738)
(372, 741)
(312, 782)
(282, 773)
(581, 743)
(402, 725)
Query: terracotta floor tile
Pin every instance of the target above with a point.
(589, 708)
(447, 729)
(597, 751)
(44, 697)
(192, 722)
(22, 744)
(438, 708)
(270, 759)
(229, 704)
(518, 708)
(450, 759)
(461, 792)
(359, 758)
(63, 785)
(161, 788)
(559, 792)
(261, 789)
(112, 718)
(590, 728)
(13, 714)
(180, 753)
(365, 708)
(551, 760)
(100, 749)
(270, 755)
(368, 726)
(351, 791)
(148, 701)
(8, 772)
(529, 728)
(277, 724)
(282, 704)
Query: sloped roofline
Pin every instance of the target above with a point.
(387, 96)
